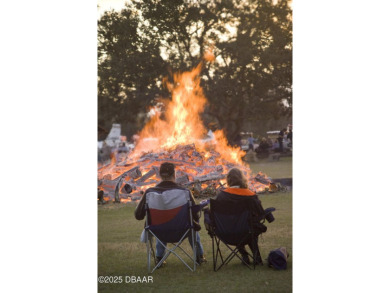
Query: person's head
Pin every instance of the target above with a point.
(235, 177)
(167, 172)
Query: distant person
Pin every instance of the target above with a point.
(104, 153)
(167, 186)
(123, 148)
(281, 138)
(275, 145)
(101, 196)
(135, 139)
(263, 147)
(237, 140)
(270, 142)
(289, 137)
(251, 141)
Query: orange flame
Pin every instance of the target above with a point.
(182, 123)
(179, 124)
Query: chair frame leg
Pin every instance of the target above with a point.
(233, 252)
(172, 250)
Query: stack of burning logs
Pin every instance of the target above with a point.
(203, 173)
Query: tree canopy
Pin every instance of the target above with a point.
(250, 80)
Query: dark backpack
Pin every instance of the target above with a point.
(277, 258)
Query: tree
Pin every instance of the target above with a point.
(251, 79)
(255, 82)
(129, 68)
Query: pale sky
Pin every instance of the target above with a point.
(104, 5)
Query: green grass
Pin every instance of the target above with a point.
(274, 169)
(120, 253)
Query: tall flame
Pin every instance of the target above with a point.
(182, 123)
(177, 133)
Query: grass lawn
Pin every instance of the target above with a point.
(120, 253)
(274, 169)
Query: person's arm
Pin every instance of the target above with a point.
(195, 216)
(140, 211)
(259, 208)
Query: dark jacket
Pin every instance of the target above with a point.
(238, 194)
(163, 186)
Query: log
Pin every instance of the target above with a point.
(105, 165)
(127, 188)
(197, 188)
(107, 177)
(184, 157)
(182, 179)
(183, 152)
(262, 179)
(209, 176)
(211, 160)
(117, 188)
(157, 171)
(133, 173)
(185, 148)
(227, 164)
(109, 183)
(176, 162)
(137, 196)
(180, 173)
(193, 170)
(139, 184)
(124, 195)
(219, 168)
(146, 176)
(206, 178)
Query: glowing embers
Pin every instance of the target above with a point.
(202, 172)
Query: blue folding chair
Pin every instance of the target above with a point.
(169, 220)
(230, 225)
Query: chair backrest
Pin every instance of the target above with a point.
(168, 213)
(231, 220)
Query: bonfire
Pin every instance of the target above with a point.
(177, 136)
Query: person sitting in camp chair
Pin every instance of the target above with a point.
(168, 185)
(237, 191)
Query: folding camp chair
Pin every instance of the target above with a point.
(169, 220)
(231, 225)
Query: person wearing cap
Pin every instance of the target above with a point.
(238, 190)
(167, 174)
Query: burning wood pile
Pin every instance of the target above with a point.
(203, 173)
(175, 133)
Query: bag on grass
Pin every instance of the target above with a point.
(277, 258)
